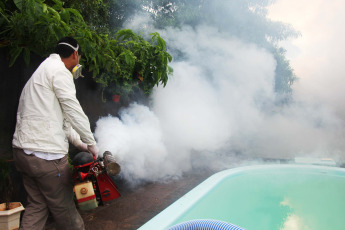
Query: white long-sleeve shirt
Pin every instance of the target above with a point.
(47, 99)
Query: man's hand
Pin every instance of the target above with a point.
(93, 150)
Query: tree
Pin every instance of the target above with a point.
(121, 59)
(245, 19)
(95, 13)
(285, 76)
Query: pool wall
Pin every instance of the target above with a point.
(168, 217)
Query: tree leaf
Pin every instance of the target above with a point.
(19, 4)
(65, 15)
(14, 53)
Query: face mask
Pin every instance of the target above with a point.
(76, 71)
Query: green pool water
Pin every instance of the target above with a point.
(267, 198)
(276, 199)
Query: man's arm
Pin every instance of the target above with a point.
(64, 89)
(74, 139)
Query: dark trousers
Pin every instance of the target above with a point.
(49, 187)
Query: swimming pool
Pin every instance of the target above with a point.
(265, 197)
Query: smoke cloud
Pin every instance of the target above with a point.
(217, 108)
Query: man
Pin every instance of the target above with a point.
(49, 115)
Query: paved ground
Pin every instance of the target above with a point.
(137, 206)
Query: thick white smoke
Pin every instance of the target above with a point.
(218, 106)
(317, 55)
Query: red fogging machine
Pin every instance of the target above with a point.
(92, 183)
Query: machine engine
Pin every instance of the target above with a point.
(92, 183)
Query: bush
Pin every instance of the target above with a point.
(120, 63)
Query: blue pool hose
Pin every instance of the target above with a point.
(205, 225)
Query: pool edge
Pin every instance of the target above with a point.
(169, 215)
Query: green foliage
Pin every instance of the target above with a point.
(148, 60)
(128, 61)
(35, 27)
(117, 60)
(95, 13)
(117, 63)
